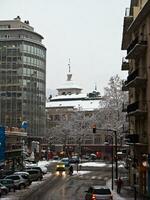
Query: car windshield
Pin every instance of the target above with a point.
(60, 169)
(102, 191)
(65, 159)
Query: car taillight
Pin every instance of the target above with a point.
(93, 197)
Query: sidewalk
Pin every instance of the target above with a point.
(127, 192)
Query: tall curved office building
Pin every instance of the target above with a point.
(22, 77)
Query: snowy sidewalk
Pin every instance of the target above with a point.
(126, 192)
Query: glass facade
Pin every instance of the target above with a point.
(23, 84)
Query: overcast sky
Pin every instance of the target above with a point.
(89, 32)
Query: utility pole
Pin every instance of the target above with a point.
(112, 166)
(116, 156)
(116, 149)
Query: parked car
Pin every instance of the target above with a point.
(98, 192)
(74, 159)
(25, 175)
(20, 181)
(35, 175)
(34, 167)
(4, 173)
(56, 158)
(65, 161)
(4, 189)
(44, 169)
(86, 157)
(9, 183)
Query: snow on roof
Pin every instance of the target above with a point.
(82, 105)
(70, 96)
(69, 85)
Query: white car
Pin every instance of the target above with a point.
(44, 169)
(98, 193)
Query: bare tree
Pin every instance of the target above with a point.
(108, 116)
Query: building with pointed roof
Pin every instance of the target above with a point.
(70, 96)
(69, 101)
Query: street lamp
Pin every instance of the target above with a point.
(112, 155)
(116, 159)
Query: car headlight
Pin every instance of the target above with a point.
(63, 173)
(57, 173)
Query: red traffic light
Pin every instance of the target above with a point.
(94, 128)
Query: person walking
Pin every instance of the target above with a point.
(70, 170)
(119, 185)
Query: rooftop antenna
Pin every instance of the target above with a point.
(69, 75)
(69, 65)
(95, 87)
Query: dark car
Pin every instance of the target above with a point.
(56, 158)
(9, 183)
(74, 159)
(4, 189)
(98, 193)
(34, 174)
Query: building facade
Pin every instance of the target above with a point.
(22, 77)
(136, 41)
(72, 106)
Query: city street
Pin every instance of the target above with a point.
(70, 187)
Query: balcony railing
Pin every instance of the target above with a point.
(137, 108)
(135, 80)
(125, 64)
(136, 47)
(124, 86)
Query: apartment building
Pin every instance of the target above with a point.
(71, 103)
(136, 41)
(22, 76)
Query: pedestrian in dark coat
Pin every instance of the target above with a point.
(119, 185)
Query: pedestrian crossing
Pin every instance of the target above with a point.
(89, 177)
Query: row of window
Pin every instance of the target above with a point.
(57, 117)
(24, 95)
(11, 63)
(12, 49)
(26, 83)
(33, 50)
(33, 85)
(33, 73)
(33, 61)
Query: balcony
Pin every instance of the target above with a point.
(137, 108)
(135, 80)
(128, 19)
(125, 64)
(136, 47)
(124, 86)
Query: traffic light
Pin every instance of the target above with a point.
(94, 128)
